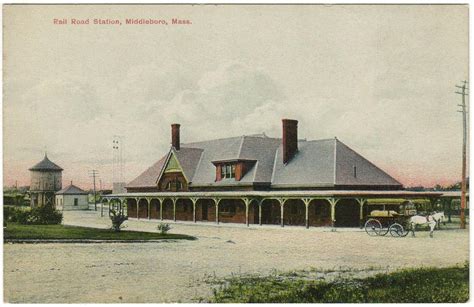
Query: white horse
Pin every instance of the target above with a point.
(422, 220)
(439, 217)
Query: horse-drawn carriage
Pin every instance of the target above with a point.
(399, 224)
(382, 222)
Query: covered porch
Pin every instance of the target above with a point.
(301, 208)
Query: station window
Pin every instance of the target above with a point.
(175, 184)
(227, 171)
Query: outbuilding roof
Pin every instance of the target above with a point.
(46, 165)
(71, 190)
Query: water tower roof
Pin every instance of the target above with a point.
(46, 165)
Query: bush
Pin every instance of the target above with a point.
(21, 216)
(45, 215)
(42, 215)
(16, 215)
(163, 228)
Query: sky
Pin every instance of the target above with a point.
(381, 78)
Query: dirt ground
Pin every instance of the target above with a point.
(176, 271)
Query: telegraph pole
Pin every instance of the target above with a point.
(118, 157)
(463, 110)
(94, 173)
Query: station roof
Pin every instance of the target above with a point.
(326, 163)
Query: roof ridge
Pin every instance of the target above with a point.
(197, 166)
(210, 140)
(260, 136)
(239, 155)
(319, 140)
(165, 163)
(274, 164)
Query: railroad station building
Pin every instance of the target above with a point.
(256, 179)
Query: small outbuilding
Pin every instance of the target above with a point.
(72, 198)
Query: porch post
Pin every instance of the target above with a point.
(149, 205)
(194, 200)
(282, 209)
(247, 203)
(333, 202)
(449, 209)
(361, 202)
(306, 204)
(161, 208)
(260, 212)
(216, 202)
(138, 201)
(174, 209)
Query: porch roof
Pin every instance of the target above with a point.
(283, 194)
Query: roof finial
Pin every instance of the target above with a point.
(71, 182)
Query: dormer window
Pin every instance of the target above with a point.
(227, 171)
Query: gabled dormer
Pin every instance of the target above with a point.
(172, 178)
(232, 169)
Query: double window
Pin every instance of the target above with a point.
(227, 171)
(174, 185)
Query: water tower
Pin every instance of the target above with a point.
(46, 180)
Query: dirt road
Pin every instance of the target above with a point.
(176, 271)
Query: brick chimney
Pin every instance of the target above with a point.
(175, 136)
(289, 139)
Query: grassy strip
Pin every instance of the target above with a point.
(422, 285)
(17, 231)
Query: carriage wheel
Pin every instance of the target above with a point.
(373, 227)
(396, 230)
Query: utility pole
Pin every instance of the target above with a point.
(118, 157)
(463, 110)
(94, 173)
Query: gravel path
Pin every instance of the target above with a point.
(177, 271)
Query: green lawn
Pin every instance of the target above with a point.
(17, 231)
(423, 285)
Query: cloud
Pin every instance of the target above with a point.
(219, 101)
(77, 120)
